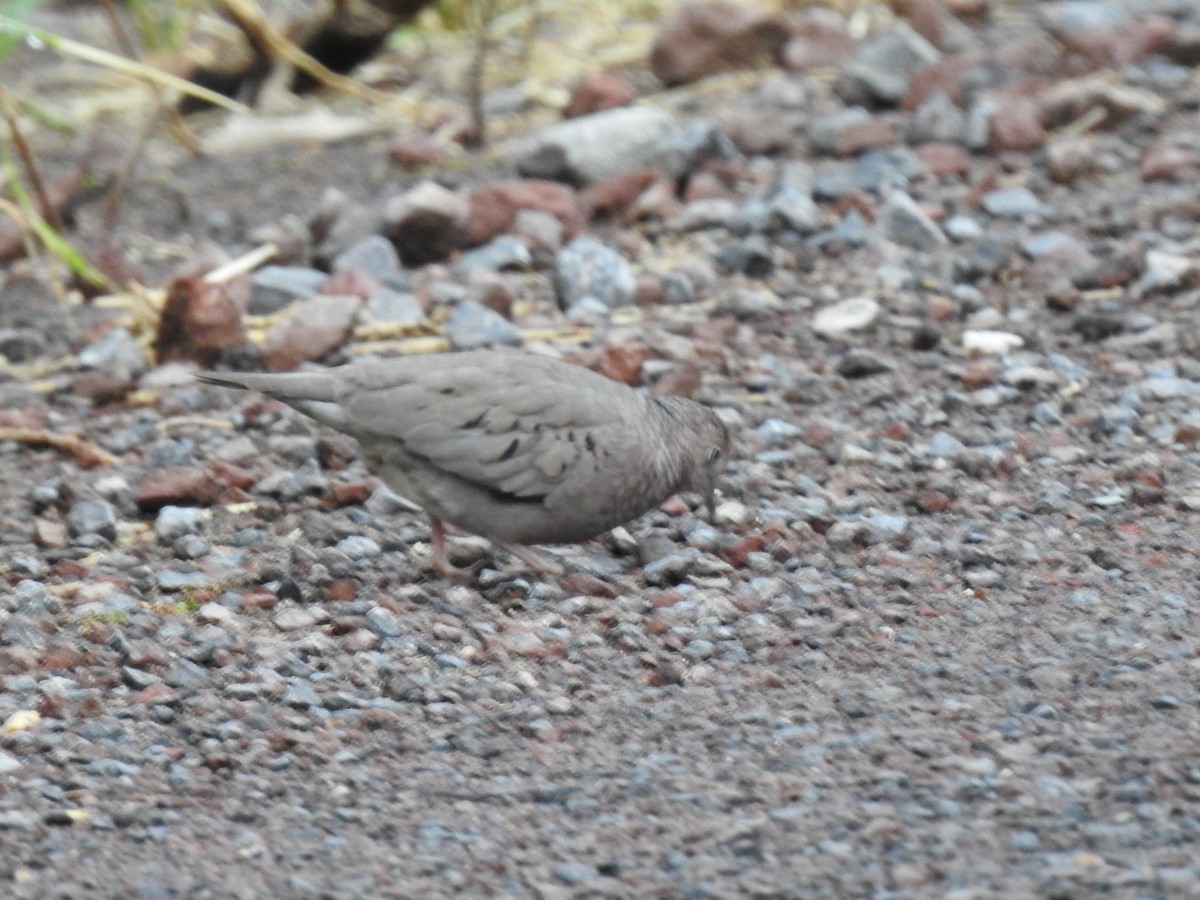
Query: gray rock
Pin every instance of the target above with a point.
(173, 522)
(588, 268)
(274, 287)
(386, 306)
(373, 255)
(115, 351)
(883, 66)
(604, 144)
(1013, 203)
(904, 222)
(501, 253)
(937, 119)
(88, 517)
(473, 325)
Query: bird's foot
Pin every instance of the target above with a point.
(537, 562)
(441, 560)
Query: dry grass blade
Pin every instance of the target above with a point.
(118, 63)
(250, 19)
(86, 453)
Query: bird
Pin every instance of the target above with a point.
(514, 446)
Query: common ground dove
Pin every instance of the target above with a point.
(518, 448)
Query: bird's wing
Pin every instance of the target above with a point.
(502, 430)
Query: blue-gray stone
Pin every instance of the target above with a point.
(473, 325)
(174, 522)
(274, 287)
(88, 517)
(394, 308)
(374, 255)
(1013, 203)
(586, 267)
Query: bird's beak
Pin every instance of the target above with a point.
(710, 501)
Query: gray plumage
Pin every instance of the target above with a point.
(519, 448)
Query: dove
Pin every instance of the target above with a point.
(513, 446)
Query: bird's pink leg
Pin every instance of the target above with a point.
(441, 561)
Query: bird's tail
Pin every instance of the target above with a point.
(313, 393)
(289, 387)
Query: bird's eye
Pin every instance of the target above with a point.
(714, 454)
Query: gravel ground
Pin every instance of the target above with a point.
(937, 641)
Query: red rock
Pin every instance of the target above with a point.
(929, 18)
(314, 328)
(675, 506)
(817, 435)
(737, 553)
(90, 708)
(1187, 434)
(198, 322)
(656, 203)
(869, 134)
(1120, 45)
(381, 720)
(709, 36)
(71, 569)
(978, 375)
(350, 282)
(649, 290)
(157, 695)
(413, 152)
(493, 207)
(341, 591)
(762, 131)
(334, 451)
(665, 599)
(1035, 53)
(52, 706)
(657, 626)
(1016, 124)
(597, 92)
(624, 362)
(933, 502)
(103, 386)
(353, 493)
(1169, 162)
(968, 9)
(493, 291)
(817, 36)
(946, 75)
(683, 380)
(176, 485)
(715, 331)
(944, 159)
(23, 418)
(145, 654)
(612, 197)
(258, 598)
(229, 475)
(63, 656)
(18, 659)
(706, 185)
